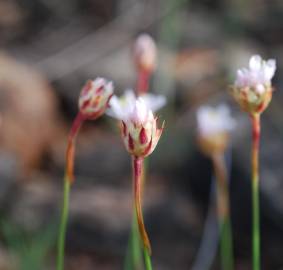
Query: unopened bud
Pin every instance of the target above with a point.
(94, 98)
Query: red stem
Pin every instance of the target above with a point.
(137, 171)
(70, 151)
(255, 147)
(143, 82)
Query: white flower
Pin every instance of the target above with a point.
(253, 88)
(121, 108)
(258, 76)
(214, 121)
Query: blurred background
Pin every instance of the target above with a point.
(50, 48)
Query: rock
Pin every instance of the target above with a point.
(28, 112)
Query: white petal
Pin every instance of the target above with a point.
(129, 96)
(269, 69)
(115, 109)
(242, 77)
(255, 63)
(109, 88)
(140, 112)
(154, 102)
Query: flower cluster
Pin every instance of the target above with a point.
(214, 125)
(252, 88)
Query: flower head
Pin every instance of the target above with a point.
(94, 98)
(145, 53)
(139, 128)
(214, 125)
(252, 88)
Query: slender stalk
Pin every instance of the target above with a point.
(142, 82)
(223, 209)
(68, 180)
(134, 255)
(226, 243)
(63, 226)
(70, 152)
(255, 192)
(137, 173)
(133, 258)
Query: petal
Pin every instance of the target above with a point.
(115, 109)
(129, 96)
(255, 63)
(269, 69)
(154, 102)
(241, 78)
(109, 88)
(140, 112)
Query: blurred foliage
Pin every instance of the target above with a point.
(30, 249)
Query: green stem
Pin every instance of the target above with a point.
(63, 225)
(226, 244)
(147, 259)
(68, 180)
(255, 193)
(223, 209)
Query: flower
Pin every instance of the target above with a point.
(94, 98)
(214, 125)
(252, 88)
(145, 53)
(139, 129)
(121, 107)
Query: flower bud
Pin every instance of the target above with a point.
(214, 125)
(252, 88)
(139, 131)
(94, 98)
(145, 53)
